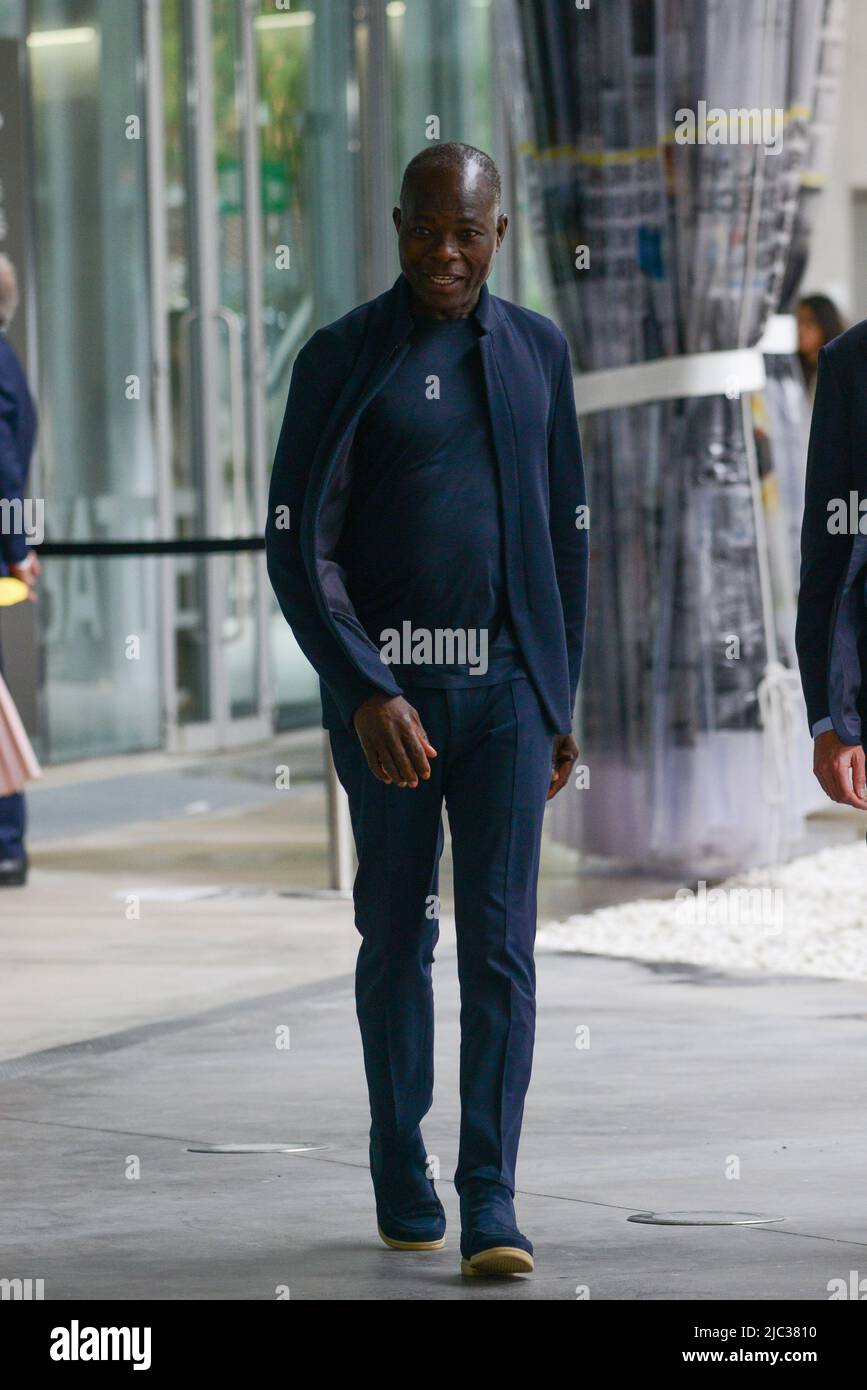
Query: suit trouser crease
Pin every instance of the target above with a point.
(495, 806)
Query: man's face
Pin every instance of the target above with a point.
(448, 235)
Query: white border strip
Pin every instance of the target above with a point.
(780, 336)
(732, 373)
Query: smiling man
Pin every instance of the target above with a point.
(429, 484)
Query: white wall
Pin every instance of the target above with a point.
(832, 268)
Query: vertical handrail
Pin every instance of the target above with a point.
(202, 127)
(340, 845)
(254, 272)
(160, 350)
(243, 563)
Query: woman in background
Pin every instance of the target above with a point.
(819, 320)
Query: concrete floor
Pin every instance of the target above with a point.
(125, 1039)
(685, 1076)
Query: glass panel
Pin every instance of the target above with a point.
(533, 291)
(439, 64)
(230, 473)
(10, 19)
(307, 101)
(307, 96)
(101, 632)
(96, 445)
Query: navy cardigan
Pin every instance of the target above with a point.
(528, 377)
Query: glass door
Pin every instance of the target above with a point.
(207, 254)
(92, 373)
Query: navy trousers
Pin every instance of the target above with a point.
(493, 771)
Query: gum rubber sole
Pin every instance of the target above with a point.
(410, 1244)
(502, 1259)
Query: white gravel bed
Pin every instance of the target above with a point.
(808, 917)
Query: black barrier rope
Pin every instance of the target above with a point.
(209, 545)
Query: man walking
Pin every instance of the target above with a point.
(17, 434)
(427, 542)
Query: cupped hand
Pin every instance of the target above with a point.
(563, 759)
(395, 744)
(839, 768)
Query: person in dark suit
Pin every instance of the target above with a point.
(17, 436)
(428, 545)
(831, 635)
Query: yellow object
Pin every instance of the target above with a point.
(12, 590)
(502, 1259)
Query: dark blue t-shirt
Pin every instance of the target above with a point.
(422, 544)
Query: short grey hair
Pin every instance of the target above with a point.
(453, 155)
(8, 291)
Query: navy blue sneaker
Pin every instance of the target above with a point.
(490, 1240)
(409, 1214)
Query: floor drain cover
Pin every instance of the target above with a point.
(254, 1148)
(702, 1218)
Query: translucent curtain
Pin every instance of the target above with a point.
(689, 251)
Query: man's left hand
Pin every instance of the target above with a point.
(564, 756)
(28, 572)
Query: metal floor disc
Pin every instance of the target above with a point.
(298, 1148)
(702, 1218)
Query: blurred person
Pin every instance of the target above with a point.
(819, 321)
(429, 479)
(17, 436)
(831, 634)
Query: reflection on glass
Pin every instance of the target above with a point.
(439, 64)
(310, 220)
(191, 625)
(10, 19)
(96, 445)
(309, 208)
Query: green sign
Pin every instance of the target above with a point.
(275, 186)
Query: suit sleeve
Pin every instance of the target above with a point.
(13, 544)
(307, 412)
(824, 556)
(570, 541)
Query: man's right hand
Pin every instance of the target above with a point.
(840, 770)
(395, 744)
